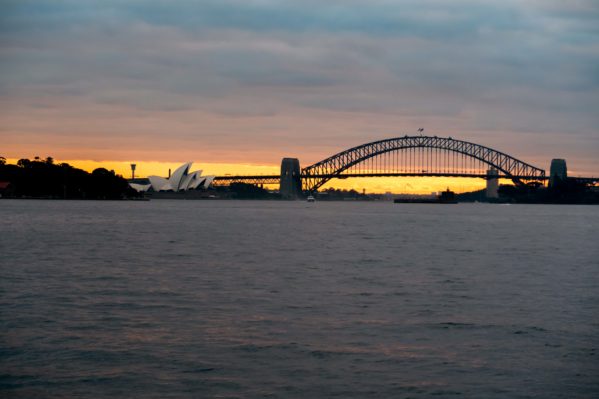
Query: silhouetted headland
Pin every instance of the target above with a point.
(44, 179)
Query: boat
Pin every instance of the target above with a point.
(310, 198)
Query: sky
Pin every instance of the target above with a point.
(232, 82)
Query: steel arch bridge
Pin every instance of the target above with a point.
(418, 156)
(407, 156)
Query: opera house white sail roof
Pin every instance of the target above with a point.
(180, 180)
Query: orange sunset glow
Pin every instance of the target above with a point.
(409, 185)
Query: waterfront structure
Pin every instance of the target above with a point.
(180, 180)
(492, 183)
(140, 188)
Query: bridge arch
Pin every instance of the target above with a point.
(316, 175)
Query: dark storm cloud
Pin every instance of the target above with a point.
(513, 66)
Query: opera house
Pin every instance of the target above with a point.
(180, 180)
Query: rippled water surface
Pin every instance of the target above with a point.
(287, 299)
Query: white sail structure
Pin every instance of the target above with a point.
(180, 180)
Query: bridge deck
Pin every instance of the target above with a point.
(274, 179)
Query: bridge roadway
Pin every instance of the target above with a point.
(275, 179)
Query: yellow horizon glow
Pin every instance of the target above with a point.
(396, 185)
(158, 168)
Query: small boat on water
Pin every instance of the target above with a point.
(310, 198)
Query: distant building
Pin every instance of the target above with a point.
(558, 171)
(180, 180)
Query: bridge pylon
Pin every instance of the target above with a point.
(558, 171)
(492, 183)
(290, 185)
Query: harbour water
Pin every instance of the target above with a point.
(235, 299)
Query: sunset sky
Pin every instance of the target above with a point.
(229, 82)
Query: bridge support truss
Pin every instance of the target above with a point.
(420, 155)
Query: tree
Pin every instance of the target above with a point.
(23, 162)
(248, 191)
(45, 179)
(2, 161)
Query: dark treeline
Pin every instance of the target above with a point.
(249, 191)
(340, 194)
(42, 178)
(567, 191)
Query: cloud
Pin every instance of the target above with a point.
(288, 74)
